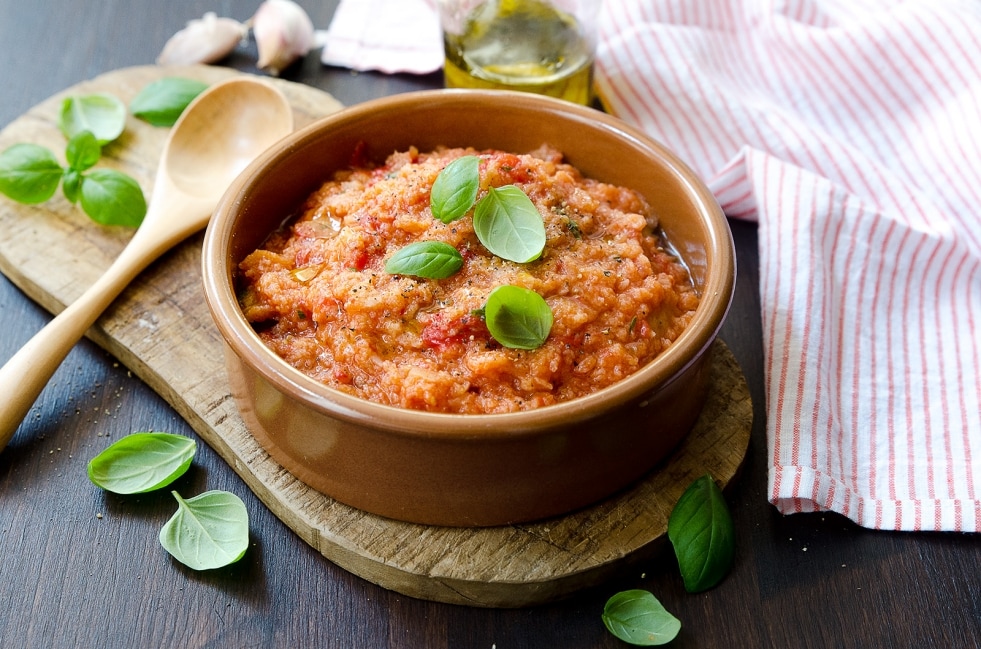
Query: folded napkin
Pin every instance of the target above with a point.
(851, 131)
(385, 35)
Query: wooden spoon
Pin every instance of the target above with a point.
(218, 135)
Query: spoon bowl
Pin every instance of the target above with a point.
(218, 135)
(244, 125)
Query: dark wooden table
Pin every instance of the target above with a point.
(82, 568)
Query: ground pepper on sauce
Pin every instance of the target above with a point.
(318, 295)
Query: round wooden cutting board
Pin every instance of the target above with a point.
(161, 329)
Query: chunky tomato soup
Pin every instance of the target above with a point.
(318, 294)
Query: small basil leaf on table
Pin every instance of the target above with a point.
(102, 114)
(161, 103)
(142, 462)
(111, 197)
(638, 618)
(29, 173)
(455, 189)
(509, 225)
(83, 151)
(207, 531)
(429, 259)
(517, 317)
(701, 530)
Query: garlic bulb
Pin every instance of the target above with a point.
(283, 33)
(204, 40)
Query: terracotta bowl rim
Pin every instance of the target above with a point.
(715, 299)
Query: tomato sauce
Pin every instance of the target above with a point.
(318, 295)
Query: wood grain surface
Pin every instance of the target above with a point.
(160, 328)
(83, 568)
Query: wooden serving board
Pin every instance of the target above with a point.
(161, 329)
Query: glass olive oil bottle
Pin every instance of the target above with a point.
(524, 45)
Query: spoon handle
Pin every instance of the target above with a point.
(24, 376)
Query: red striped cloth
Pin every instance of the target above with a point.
(851, 131)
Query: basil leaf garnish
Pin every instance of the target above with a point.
(430, 259)
(111, 197)
(701, 530)
(208, 531)
(29, 173)
(455, 189)
(517, 317)
(142, 462)
(509, 224)
(638, 618)
(83, 151)
(102, 114)
(161, 103)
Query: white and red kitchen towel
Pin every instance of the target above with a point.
(851, 131)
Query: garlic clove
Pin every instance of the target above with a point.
(283, 33)
(203, 40)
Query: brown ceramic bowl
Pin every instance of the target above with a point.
(469, 470)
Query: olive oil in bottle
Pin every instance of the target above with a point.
(524, 45)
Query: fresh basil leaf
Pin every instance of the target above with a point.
(102, 114)
(430, 259)
(161, 103)
(29, 173)
(701, 530)
(142, 462)
(208, 531)
(83, 151)
(111, 197)
(638, 618)
(509, 224)
(455, 189)
(517, 317)
(71, 184)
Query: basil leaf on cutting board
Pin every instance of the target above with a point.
(83, 151)
(102, 114)
(161, 102)
(111, 197)
(703, 535)
(29, 173)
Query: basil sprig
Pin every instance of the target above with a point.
(638, 618)
(142, 462)
(455, 189)
(703, 535)
(430, 259)
(208, 531)
(30, 173)
(517, 317)
(161, 103)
